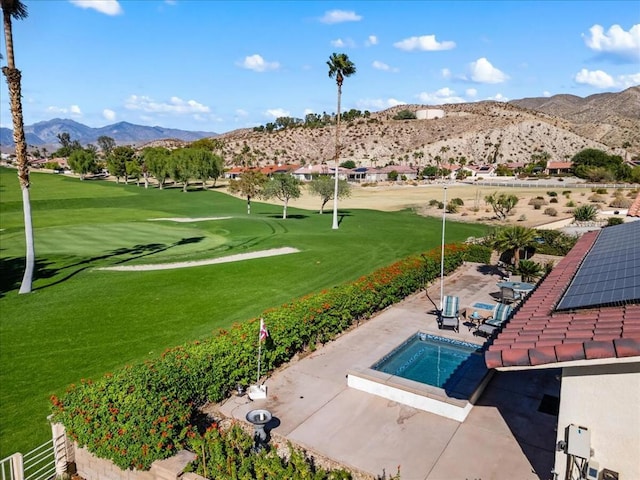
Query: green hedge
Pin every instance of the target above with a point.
(147, 412)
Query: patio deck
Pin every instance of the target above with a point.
(506, 435)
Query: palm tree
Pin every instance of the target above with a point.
(529, 270)
(18, 10)
(340, 67)
(512, 239)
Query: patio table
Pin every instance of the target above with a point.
(518, 287)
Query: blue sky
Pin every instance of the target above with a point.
(215, 65)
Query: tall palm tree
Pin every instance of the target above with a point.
(18, 10)
(340, 67)
(513, 239)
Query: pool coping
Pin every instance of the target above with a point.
(415, 394)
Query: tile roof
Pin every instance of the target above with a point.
(538, 335)
(551, 165)
(634, 209)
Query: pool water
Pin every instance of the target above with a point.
(432, 360)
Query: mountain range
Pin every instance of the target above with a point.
(46, 133)
(478, 132)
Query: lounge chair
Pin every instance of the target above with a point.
(500, 314)
(449, 316)
(509, 295)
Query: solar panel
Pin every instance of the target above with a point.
(610, 272)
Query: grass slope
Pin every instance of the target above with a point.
(80, 322)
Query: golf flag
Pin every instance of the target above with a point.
(263, 330)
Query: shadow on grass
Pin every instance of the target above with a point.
(13, 268)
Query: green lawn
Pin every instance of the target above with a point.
(80, 322)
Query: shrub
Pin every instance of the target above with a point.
(570, 204)
(147, 412)
(552, 194)
(600, 190)
(457, 201)
(434, 203)
(552, 212)
(621, 202)
(537, 202)
(553, 200)
(585, 213)
(554, 242)
(566, 193)
(614, 221)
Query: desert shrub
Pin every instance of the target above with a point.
(566, 193)
(614, 221)
(600, 190)
(434, 203)
(570, 204)
(632, 193)
(585, 213)
(553, 200)
(621, 202)
(452, 207)
(552, 212)
(595, 198)
(522, 218)
(537, 202)
(457, 201)
(552, 194)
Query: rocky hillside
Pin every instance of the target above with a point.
(481, 132)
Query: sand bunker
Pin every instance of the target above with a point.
(197, 263)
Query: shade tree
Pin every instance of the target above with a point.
(284, 188)
(323, 186)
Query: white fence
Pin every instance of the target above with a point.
(45, 462)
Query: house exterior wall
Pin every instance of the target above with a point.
(604, 399)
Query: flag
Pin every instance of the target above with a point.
(263, 330)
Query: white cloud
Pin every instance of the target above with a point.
(446, 73)
(174, 105)
(546, 93)
(471, 92)
(277, 113)
(444, 95)
(483, 72)
(378, 65)
(73, 111)
(241, 113)
(601, 79)
(339, 16)
(340, 43)
(379, 104)
(258, 64)
(371, 40)
(425, 43)
(615, 41)
(108, 114)
(595, 78)
(498, 97)
(108, 7)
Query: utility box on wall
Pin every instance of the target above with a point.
(578, 441)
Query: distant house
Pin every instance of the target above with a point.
(559, 168)
(479, 171)
(381, 174)
(451, 169)
(268, 170)
(584, 319)
(234, 173)
(307, 173)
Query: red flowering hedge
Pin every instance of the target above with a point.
(146, 412)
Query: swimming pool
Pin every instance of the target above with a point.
(436, 374)
(437, 361)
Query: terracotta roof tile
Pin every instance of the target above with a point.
(539, 335)
(634, 209)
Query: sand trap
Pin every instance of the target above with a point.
(188, 220)
(197, 263)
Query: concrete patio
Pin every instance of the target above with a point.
(505, 436)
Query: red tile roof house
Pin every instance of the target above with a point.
(307, 173)
(557, 168)
(381, 174)
(584, 317)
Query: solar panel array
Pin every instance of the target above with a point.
(610, 273)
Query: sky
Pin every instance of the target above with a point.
(215, 65)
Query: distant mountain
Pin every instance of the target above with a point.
(124, 133)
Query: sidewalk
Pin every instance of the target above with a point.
(504, 436)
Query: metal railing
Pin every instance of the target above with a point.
(38, 464)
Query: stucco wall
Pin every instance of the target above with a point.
(605, 400)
